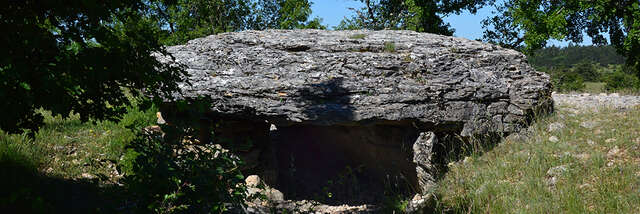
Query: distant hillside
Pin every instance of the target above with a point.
(554, 57)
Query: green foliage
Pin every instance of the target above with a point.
(78, 57)
(38, 172)
(620, 80)
(575, 56)
(395, 204)
(358, 36)
(180, 177)
(531, 24)
(172, 173)
(285, 14)
(498, 29)
(182, 20)
(420, 16)
(390, 47)
(587, 71)
(19, 161)
(566, 80)
(592, 64)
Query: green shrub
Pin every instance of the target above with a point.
(567, 81)
(181, 177)
(619, 80)
(171, 174)
(587, 70)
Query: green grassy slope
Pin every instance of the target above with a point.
(588, 169)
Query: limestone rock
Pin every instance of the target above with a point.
(554, 173)
(422, 153)
(160, 119)
(419, 203)
(252, 181)
(589, 124)
(555, 127)
(298, 77)
(256, 186)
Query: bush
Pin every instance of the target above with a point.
(619, 80)
(169, 173)
(587, 70)
(567, 81)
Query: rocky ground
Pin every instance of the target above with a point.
(595, 101)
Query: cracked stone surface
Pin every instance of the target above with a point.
(315, 77)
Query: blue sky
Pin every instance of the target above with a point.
(467, 25)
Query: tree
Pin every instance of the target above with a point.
(416, 15)
(184, 20)
(587, 71)
(77, 56)
(573, 55)
(499, 29)
(284, 14)
(536, 22)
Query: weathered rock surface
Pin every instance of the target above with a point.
(360, 77)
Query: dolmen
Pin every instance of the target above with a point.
(343, 116)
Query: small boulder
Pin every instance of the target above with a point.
(588, 124)
(555, 127)
(554, 173)
(256, 186)
(160, 120)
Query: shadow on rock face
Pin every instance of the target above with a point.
(328, 101)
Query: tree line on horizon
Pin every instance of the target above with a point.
(573, 67)
(572, 55)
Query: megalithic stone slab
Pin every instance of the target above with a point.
(298, 77)
(422, 157)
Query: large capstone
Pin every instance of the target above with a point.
(371, 102)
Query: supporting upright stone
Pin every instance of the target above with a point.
(422, 156)
(425, 169)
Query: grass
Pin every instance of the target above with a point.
(588, 170)
(358, 36)
(390, 47)
(66, 159)
(594, 87)
(92, 149)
